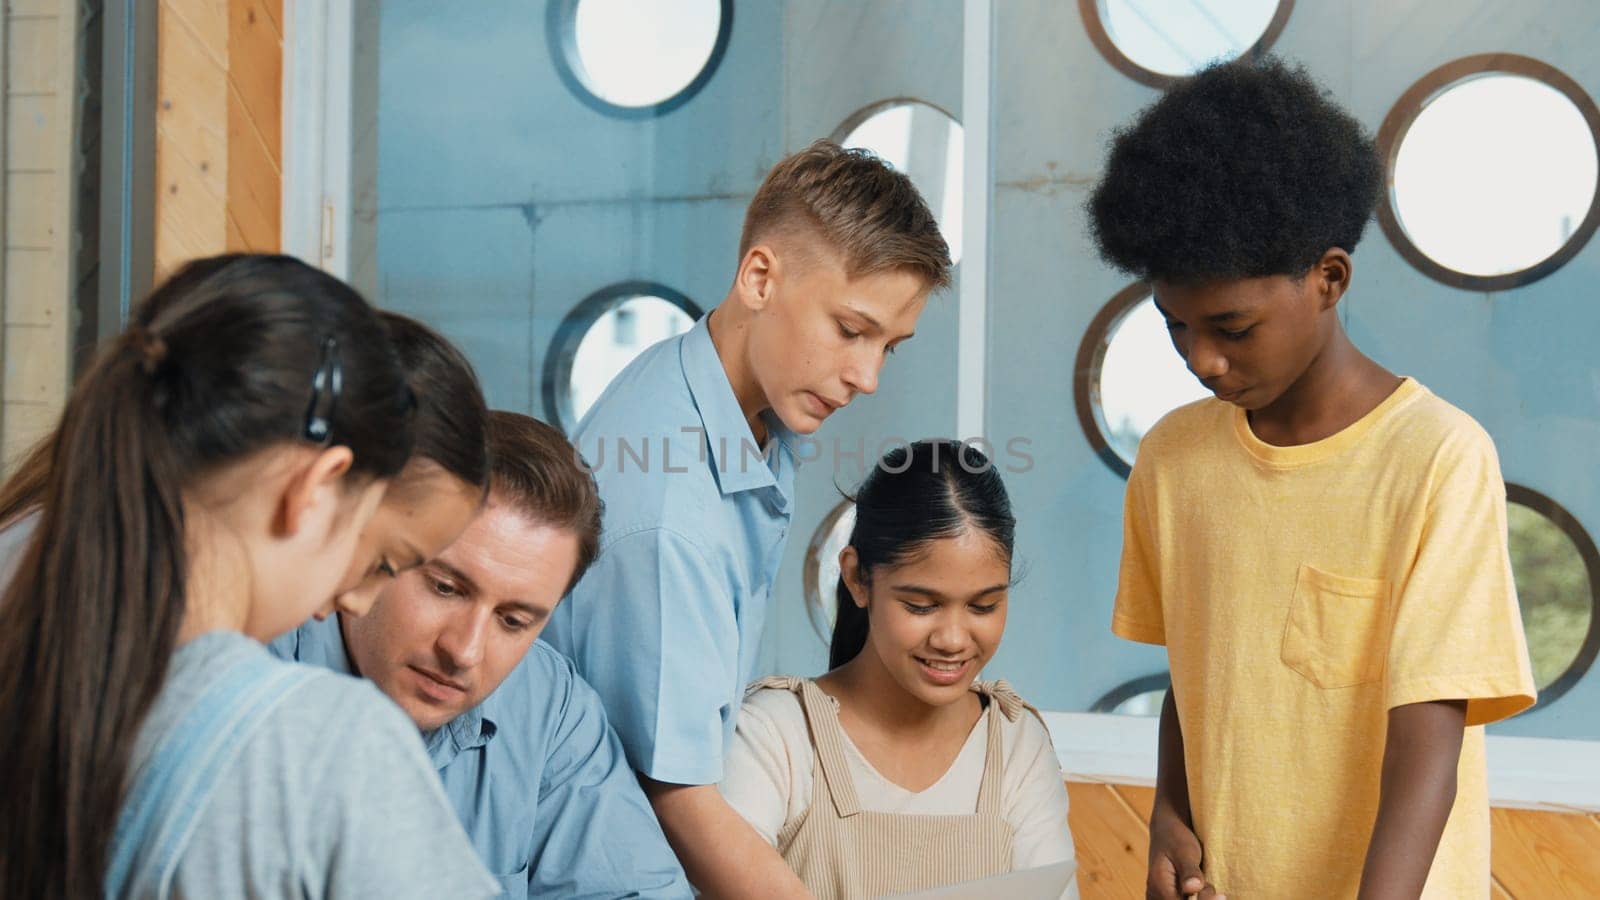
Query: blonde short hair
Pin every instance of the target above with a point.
(857, 205)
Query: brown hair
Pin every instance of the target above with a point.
(533, 466)
(24, 489)
(451, 420)
(855, 203)
(225, 359)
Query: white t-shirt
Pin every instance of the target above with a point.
(770, 768)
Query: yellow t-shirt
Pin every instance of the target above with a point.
(1301, 593)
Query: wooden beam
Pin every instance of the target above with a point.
(1111, 841)
(38, 56)
(255, 125)
(219, 156)
(1538, 855)
(1534, 854)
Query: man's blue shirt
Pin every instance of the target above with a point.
(538, 780)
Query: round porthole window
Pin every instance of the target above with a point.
(1157, 42)
(1557, 570)
(1129, 376)
(821, 575)
(637, 58)
(1492, 172)
(1139, 697)
(601, 336)
(922, 141)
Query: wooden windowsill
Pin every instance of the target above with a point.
(1524, 773)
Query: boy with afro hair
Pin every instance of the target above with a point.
(1322, 546)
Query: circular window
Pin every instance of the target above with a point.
(925, 143)
(1557, 570)
(638, 58)
(822, 568)
(1157, 42)
(601, 336)
(1492, 172)
(1139, 697)
(1128, 376)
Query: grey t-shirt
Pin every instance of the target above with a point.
(332, 796)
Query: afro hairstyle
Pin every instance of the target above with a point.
(1247, 169)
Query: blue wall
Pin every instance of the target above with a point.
(503, 201)
(1522, 362)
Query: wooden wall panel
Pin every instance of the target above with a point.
(190, 218)
(30, 298)
(219, 129)
(31, 209)
(255, 124)
(24, 8)
(218, 172)
(191, 131)
(32, 57)
(35, 370)
(39, 56)
(25, 425)
(31, 120)
(1535, 855)
(1112, 839)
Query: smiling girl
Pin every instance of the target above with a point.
(897, 770)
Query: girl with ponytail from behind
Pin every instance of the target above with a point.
(426, 505)
(204, 492)
(898, 770)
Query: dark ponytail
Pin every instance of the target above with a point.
(451, 421)
(917, 494)
(218, 363)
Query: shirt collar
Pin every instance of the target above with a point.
(322, 644)
(468, 731)
(738, 465)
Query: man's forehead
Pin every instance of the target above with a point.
(504, 545)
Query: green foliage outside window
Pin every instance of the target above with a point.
(1553, 587)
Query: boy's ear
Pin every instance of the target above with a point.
(1333, 272)
(317, 481)
(850, 571)
(758, 273)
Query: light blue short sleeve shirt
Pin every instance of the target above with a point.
(536, 777)
(667, 623)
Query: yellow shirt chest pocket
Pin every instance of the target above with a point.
(1338, 630)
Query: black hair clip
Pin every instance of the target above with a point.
(325, 386)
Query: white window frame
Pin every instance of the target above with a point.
(317, 140)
